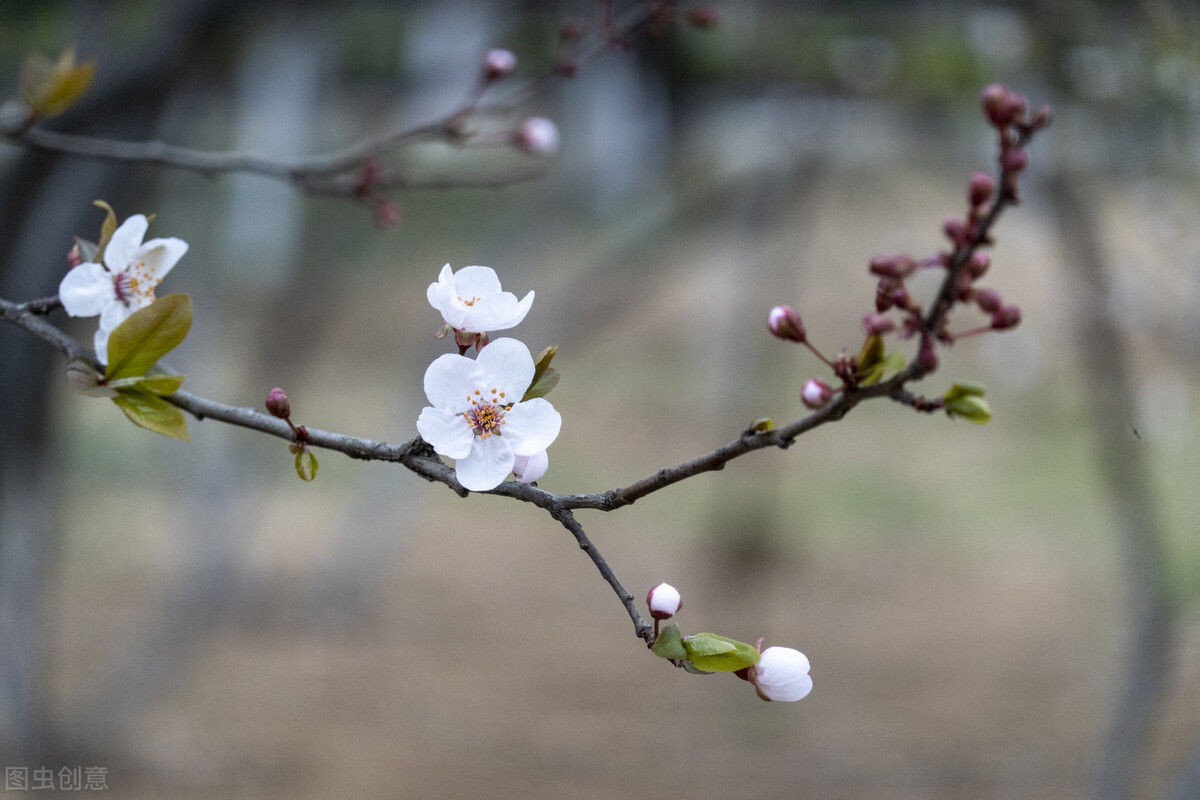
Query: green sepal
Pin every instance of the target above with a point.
(712, 653)
(147, 335)
(965, 399)
(692, 668)
(669, 644)
(152, 413)
(306, 464)
(107, 228)
(545, 377)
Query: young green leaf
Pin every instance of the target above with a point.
(669, 644)
(147, 335)
(713, 653)
(306, 464)
(107, 228)
(153, 413)
(545, 377)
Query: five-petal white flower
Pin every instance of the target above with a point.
(471, 300)
(476, 415)
(125, 281)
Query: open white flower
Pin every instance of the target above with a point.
(782, 674)
(477, 417)
(125, 281)
(471, 300)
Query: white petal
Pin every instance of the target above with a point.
(487, 465)
(441, 296)
(497, 312)
(507, 365)
(472, 282)
(114, 314)
(122, 248)
(100, 343)
(450, 380)
(448, 433)
(161, 255)
(528, 469)
(86, 290)
(782, 674)
(531, 426)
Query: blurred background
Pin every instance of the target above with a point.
(998, 611)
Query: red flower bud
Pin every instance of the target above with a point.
(996, 106)
(816, 393)
(978, 264)
(878, 324)
(956, 230)
(927, 358)
(1014, 159)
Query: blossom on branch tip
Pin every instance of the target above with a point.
(537, 136)
(781, 674)
(476, 415)
(498, 64)
(785, 323)
(664, 601)
(472, 301)
(124, 283)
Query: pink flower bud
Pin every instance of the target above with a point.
(1014, 159)
(664, 601)
(988, 300)
(785, 323)
(956, 230)
(995, 105)
(537, 136)
(980, 189)
(782, 674)
(278, 404)
(1006, 317)
(978, 264)
(499, 64)
(878, 323)
(816, 393)
(892, 266)
(1042, 117)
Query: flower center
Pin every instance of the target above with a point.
(135, 286)
(470, 302)
(486, 414)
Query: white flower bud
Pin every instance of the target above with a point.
(782, 674)
(664, 601)
(499, 64)
(816, 393)
(537, 136)
(528, 469)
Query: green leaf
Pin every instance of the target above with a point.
(545, 377)
(713, 653)
(51, 87)
(963, 388)
(972, 408)
(306, 464)
(150, 384)
(692, 668)
(139, 342)
(153, 413)
(669, 644)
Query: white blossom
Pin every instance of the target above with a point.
(471, 300)
(124, 283)
(476, 415)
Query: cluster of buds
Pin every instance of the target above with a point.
(777, 673)
(962, 266)
(660, 18)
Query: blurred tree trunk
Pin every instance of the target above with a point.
(44, 201)
(1122, 462)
